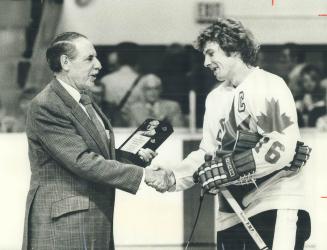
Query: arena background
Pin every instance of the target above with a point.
(151, 220)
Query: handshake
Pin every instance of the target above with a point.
(161, 179)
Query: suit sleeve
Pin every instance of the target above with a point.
(59, 137)
(273, 109)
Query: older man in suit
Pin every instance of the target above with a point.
(70, 203)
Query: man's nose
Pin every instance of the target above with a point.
(97, 64)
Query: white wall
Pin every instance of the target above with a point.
(167, 21)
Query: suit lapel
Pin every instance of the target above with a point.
(80, 115)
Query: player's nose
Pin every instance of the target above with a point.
(206, 62)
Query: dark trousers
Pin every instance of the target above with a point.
(237, 238)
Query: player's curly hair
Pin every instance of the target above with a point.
(231, 36)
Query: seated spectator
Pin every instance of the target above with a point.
(117, 84)
(153, 106)
(310, 102)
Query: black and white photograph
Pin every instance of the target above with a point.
(163, 124)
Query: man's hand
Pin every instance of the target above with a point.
(147, 155)
(160, 179)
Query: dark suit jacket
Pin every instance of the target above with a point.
(71, 199)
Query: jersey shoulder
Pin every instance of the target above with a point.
(220, 94)
(264, 83)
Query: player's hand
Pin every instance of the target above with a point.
(147, 155)
(225, 170)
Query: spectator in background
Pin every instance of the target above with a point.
(173, 74)
(118, 83)
(293, 60)
(112, 62)
(153, 106)
(310, 102)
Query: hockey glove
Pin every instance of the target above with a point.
(302, 154)
(225, 170)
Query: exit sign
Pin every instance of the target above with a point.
(208, 12)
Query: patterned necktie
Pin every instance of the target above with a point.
(87, 103)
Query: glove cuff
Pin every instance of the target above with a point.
(229, 167)
(244, 162)
(237, 165)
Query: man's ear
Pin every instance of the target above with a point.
(65, 62)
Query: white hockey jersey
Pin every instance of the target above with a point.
(262, 103)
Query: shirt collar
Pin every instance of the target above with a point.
(72, 91)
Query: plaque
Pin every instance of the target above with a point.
(150, 134)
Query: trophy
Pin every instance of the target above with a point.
(150, 134)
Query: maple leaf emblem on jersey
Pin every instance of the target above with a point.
(273, 120)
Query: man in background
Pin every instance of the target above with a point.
(71, 147)
(153, 106)
(119, 90)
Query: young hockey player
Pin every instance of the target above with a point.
(273, 195)
(250, 125)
